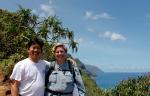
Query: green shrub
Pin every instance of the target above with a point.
(6, 65)
(132, 87)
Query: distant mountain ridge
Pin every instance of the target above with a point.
(94, 69)
(91, 70)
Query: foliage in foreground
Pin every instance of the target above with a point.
(92, 88)
(132, 87)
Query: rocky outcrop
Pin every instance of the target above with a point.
(91, 70)
(5, 90)
(2, 77)
(4, 85)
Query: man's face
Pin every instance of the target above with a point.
(35, 52)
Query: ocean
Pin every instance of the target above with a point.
(109, 80)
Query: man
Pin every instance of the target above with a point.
(28, 76)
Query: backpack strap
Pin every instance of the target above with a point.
(71, 67)
(51, 69)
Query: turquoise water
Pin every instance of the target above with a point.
(110, 80)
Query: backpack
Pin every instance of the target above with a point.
(52, 68)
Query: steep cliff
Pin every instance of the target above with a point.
(4, 85)
(91, 70)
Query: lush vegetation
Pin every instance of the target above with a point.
(132, 87)
(91, 87)
(16, 28)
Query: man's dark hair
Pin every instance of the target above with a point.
(35, 41)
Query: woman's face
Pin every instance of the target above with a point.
(60, 53)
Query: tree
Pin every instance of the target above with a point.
(17, 28)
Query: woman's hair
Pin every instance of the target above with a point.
(35, 41)
(59, 45)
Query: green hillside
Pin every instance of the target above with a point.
(16, 28)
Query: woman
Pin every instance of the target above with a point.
(63, 75)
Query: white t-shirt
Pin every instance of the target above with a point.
(31, 76)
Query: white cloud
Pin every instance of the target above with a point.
(42, 15)
(84, 41)
(147, 15)
(113, 36)
(47, 9)
(123, 68)
(79, 40)
(91, 30)
(34, 11)
(104, 15)
(88, 14)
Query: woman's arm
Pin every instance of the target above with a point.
(77, 78)
(79, 82)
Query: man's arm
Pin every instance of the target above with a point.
(14, 88)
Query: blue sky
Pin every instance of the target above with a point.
(112, 34)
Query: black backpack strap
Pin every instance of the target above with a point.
(49, 72)
(71, 67)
